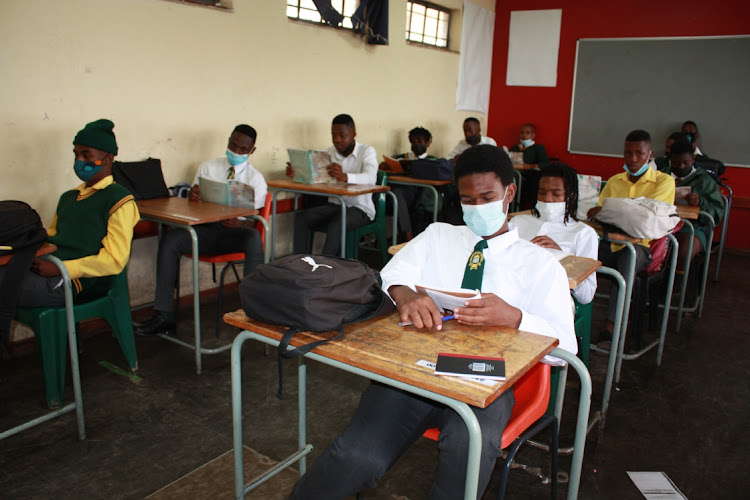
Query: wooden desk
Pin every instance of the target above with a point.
(578, 269)
(382, 351)
(43, 250)
(337, 190)
(429, 184)
(183, 213)
(688, 211)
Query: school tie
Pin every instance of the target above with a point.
(230, 175)
(475, 267)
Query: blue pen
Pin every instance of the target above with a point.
(409, 323)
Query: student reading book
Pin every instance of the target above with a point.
(310, 167)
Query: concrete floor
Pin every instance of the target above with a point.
(685, 418)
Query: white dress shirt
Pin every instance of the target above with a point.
(218, 170)
(463, 146)
(361, 167)
(522, 274)
(575, 238)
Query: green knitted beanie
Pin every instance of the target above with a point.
(99, 135)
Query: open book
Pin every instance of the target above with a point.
(311, 166)
(680, 195)
(449, 300)
(231, 192)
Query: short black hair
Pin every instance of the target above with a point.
(246, 130)
(533, 127)
(471, 119)
(677, 136)
(570, 181)
(343, 119)
(681, 147)
(420, 132)
(484, 158)
(691, 122)
(638, 136)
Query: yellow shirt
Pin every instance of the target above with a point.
(115, 251)
(653, 184)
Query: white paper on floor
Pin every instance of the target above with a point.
(656, 486)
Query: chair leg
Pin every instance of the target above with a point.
(554, 444)
(537, 427)
(220, 302)
(122, 326)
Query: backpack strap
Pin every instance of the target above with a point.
(283, 353)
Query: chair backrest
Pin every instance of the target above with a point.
(379, 198)
(265, 212)
(532, 398)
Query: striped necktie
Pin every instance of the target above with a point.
(230, 175)
(475, 267)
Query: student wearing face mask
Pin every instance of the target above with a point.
(227, 236)
(522, 287)
(472, 137)
(662, 162)
(690, 129)
(638, 179)
(92, 226)
(553, 224)
(534, 154)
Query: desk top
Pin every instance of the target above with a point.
(688, 211)
(43, 250)
(578, 269)
(189, 213)
(381, 346)
(338, 188)
(412, 180)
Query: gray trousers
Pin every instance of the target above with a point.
(328, 215)
(386, 423)
(212, 238)
(620, 260)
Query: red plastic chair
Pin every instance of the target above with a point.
(230, 260)
(526, 420)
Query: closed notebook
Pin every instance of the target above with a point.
(474, 366)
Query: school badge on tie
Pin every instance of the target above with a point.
(475, 268)
(475, 261)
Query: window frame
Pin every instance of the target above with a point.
(429, 5)
(322, 22)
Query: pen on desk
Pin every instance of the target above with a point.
(409, 323)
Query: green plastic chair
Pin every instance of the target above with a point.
(377, 227)
(49, 326)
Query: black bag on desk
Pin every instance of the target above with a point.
(312, 293)
(144, 179)
(438, 169)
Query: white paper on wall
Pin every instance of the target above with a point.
(533, 46)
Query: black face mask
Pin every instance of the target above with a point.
(474, 139)
(419, 149)
(682, 173)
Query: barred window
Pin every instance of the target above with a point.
(427, 23)
(305, 10)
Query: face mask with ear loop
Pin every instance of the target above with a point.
(85, 170)
(485, 219)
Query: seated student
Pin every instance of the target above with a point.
(662, 162)
(553, 223)
(637, 180)
(227, 236)
(353, 163)
(92, 226)
(690, 129)
(407, 196)
(472, 137)
(533, 154)
(522, 286)
(704, 193)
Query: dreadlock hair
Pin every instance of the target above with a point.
(570, 181)
(420, 132)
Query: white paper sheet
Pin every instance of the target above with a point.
(533, 46)
(656, 486)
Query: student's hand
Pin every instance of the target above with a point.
(337, 173)
(545, 242)
(194, 194)
(693, 199)
(592, 212)
(44, 268)
(289, 170)
(233, 223)
(490, 310)
(416, 308)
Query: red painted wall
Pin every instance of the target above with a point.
(549, 108)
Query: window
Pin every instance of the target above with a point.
(427, 24)
(305, 10)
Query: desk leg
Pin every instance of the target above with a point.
(239, 466)
(275, 223)
(629, 280)
(267, 247)
(668, 300)
(709, 244)
(613, 350)
(343, 226)
(683, 287)
(395, 215)
(196, 299)
(302, 407)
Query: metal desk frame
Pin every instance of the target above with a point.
(433, 189)
(470, 491)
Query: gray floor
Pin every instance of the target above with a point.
(685, 418)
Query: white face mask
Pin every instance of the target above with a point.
(550, 211)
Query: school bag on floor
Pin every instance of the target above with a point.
(312, 293)
(639, 217)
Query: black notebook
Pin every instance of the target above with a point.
(473, 366)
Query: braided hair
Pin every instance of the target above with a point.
(570, 181)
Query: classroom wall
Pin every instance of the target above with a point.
(176, 78)
(549, 108)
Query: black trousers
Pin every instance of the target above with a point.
(620, 260)
(38, 291)
(212, 238)
(386, 423)
(328, 215)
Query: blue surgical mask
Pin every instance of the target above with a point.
(485, 219)
(639, 173)
(527, 142)
(234, 159)
(85, 170)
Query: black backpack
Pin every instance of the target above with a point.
(312, 293)
(144, 179)
(21, 234)
(437, 169)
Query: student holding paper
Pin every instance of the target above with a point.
(522, 287)
(227, 236)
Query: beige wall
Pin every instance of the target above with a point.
(176, 78)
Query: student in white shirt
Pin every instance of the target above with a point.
(472, 137)
(228, 236)
(522, 287)
(553, 224)
(353, 163)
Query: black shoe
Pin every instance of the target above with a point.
(156, 325)
(605, 340)
(147, 321)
